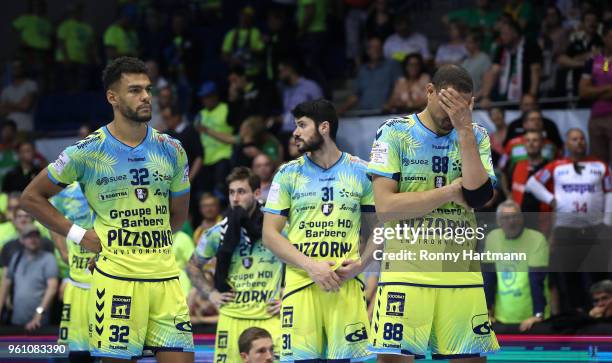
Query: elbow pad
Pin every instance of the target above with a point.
(478, 197)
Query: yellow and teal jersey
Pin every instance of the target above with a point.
(255, 273)
(323, 207)
(71, 202)
(128, 189)
(419, 160)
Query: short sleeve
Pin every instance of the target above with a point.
(180, 180)
(385, 157)
(110, 37)
(279, 196)
(484, 149)
(65, 169)
(10, 271)
(208, 244)
(256, 41)
(20, 22)
(62, 31)
(538, 256)
(227, 41)
(607, 181)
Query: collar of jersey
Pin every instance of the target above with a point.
(108, 133)
(427, 130)
(319, 166)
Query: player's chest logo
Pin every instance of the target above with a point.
(247, 262)
(327, 208)
(141, 194)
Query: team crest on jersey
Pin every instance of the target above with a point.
(121, 307)
(141, 194)
(287, 318)
(247, 262)
(327, 208)
(395, 304)
(439, 181)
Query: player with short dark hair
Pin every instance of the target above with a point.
(136, 180)
(429, 170)
(323, 194)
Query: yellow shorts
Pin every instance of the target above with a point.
(454, 322)
(126, 317)
(229, 330)
(73, 326)
(325, 325)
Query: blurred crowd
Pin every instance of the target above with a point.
(225, 83)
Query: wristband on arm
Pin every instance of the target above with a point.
(76, 233)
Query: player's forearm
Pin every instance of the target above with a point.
(539, 191)
(44, 212)
(396, 206)
(195, 168)
(49, 293)
(6, 284)
(488, 81)
(284, 249)
(473, 173)
(60, 244)
(194, 271)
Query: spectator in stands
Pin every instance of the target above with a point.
(85, 130)
(454, 51)
(477, 62)
(210, 209)
(584, 43)
(279, 41)
(374, 81)
(176, 125)
(496, 114)
(20, 176)
(120, 38)
(516, 67)
(514, 149)
(35, 33)
(243, 45)
(181, 52)
(596, 85)
(409, 91)
(76, 49)
(579, 189)
(516, 127)
(8, 145)
(264, 167)
(33, 274)
(17, 100)
(295, 89)
(517, 291)
(249, 97)
(159, 83)
(405, 41)
(482, 17)
(256, 346)
(521, 11)
(11, 230)
(553, 42)
(537, 213)
(379, 23)
(354, 21)
(601, 294)
(217, 157)
(153, 35)
(311, 36)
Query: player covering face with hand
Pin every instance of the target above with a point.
(421, 303)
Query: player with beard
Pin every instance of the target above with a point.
(325, 194)
(136, 181)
